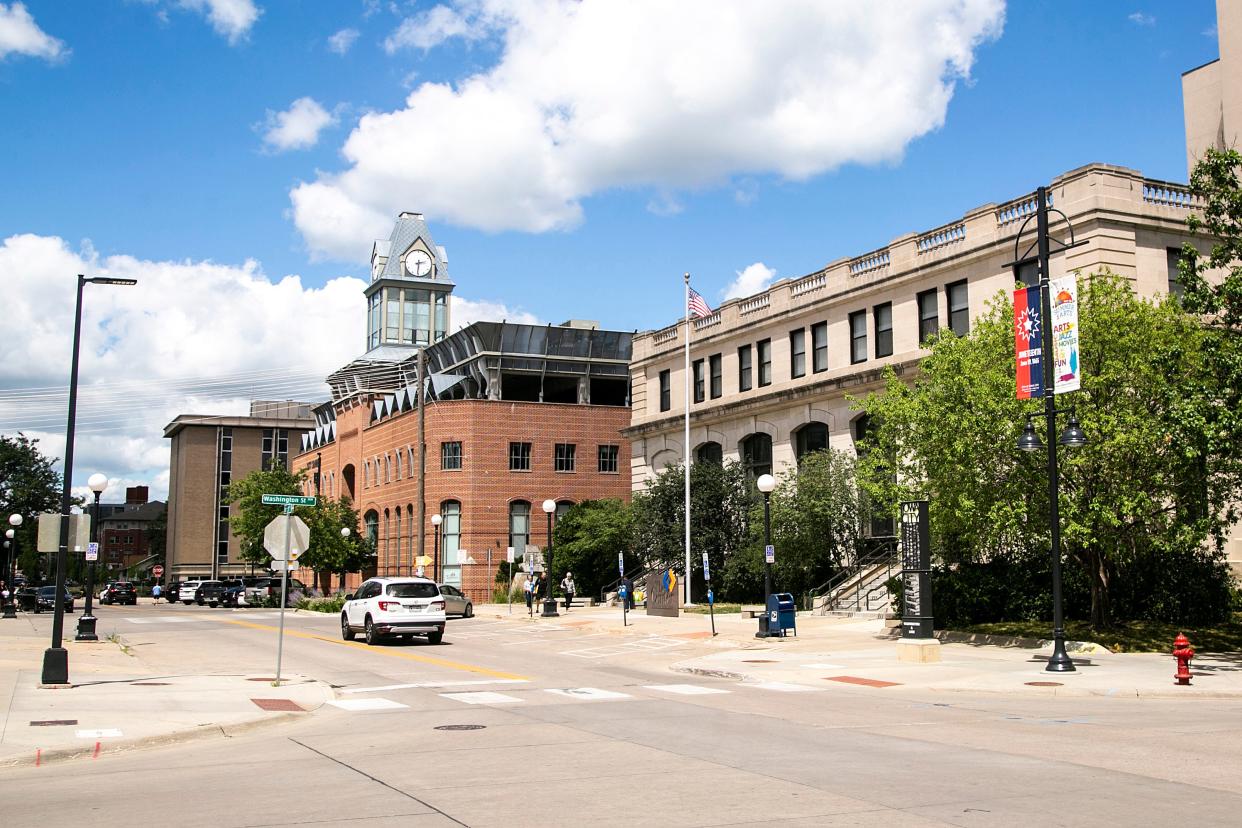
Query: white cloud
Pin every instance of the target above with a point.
(190, 337)
(298, 127)
(20, 35)
(591, 96)
(231, 18)
(754, 279)
(665, 204)
(1142, 19)
(342, 41)
(431, 28)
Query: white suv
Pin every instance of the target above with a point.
(394, 606)
(186, 593)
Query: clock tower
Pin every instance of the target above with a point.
(408, 297)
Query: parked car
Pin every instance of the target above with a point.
(455, 602)
(265, 588)
(394, 606)
(120, 592)
(185, 593)
(234, 594)
(209, 592)
(46, 596)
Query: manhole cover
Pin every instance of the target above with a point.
(1043, 684)
(758, 661)
(148, 683)
(269, 678)
(460, 727)
(54, 723)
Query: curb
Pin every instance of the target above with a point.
(954, 637)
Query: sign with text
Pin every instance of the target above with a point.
(287, 500)
(707, 572)
(1028, 342)
(92, 551)
(769, 554)
(1065, 364)
(917, 620)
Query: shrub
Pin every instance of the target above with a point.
(331, 605)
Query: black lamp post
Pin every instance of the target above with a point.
(10, 566)
(86, 622)
(1072, 437)
(56, 657)
(766, 483)
(549, 602)
(436, 519)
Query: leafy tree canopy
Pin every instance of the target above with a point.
(587, 540)
(29, 486)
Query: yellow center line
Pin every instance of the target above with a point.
(439, 662)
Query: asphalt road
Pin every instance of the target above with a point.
(515, 723)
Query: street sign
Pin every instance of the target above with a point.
(621, 563)
(274, 536)
(48, 539)
(707, 572)
(509, 554)
(769, 554)
(287, 500)
(157, 570)
(92, 551)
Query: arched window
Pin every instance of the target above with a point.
(519, 526)
(810, 437)
(371, 522)
(398, 464)
(881, 522)
(397, 535)
(756, 450)
(450, 531)
(563, 506)
(384, 539)
(709, 453)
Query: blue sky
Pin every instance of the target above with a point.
(138, 137)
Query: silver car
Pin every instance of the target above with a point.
(456, 603)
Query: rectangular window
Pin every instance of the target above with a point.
(882, 318)
(797, 353)
(716, 371)
(764, 349)
(929, 315)
(743, 368)
(959, 308)
(450, 456)
(519, 457)
(608, 459)
(858, 337)
(819, 347)
(565, 457)
(1175, 275)
(700, 391)
(666, 390)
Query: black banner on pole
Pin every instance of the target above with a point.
(917, 620)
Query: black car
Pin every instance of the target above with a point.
(234, 594)
(209, 592)
(46, 596)
(120, 592)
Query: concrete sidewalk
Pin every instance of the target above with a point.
(843, 652)
(117, 701)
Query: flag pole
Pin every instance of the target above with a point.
(686, 456)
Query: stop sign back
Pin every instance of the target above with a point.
(157, 570)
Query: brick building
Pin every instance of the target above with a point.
(125, 529)
(512, 415)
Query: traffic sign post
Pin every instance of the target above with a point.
(157, 571)
(625, 599)
(92, 551)
(711, 603)
(287, 500)
(282, 549)
(509, 556)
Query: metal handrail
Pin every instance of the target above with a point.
(634, 575)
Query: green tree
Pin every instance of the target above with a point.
(588, 538)
(1140, 487)
(251, 517)
(157, 538)
(721, 497)
(29, 486)
(331, 552)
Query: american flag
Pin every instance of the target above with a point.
(698, 305)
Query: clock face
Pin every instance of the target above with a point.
(417, 263)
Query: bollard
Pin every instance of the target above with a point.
(1183, 652)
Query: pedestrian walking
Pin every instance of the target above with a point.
(155, 593)
(529, 588)
(629, 592)
(567, 587)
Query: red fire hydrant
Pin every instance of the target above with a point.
(1183, 652)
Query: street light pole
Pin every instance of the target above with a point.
(435, 564)
(56, 657)
(10, 609)
(766, 483)
(86, 622)
(549, 602)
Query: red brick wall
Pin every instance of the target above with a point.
(484, 486)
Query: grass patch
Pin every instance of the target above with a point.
(1128, 636)
(702, 609)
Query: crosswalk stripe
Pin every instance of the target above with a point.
(367, 704)
(418, 684)
(589, 693)
(685, 689)
(782, 687)
(482, 697)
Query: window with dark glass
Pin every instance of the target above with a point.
(519, 526)
(819, 347)
(929, 315)
(608, 459)
(764, 350)
(710, 453)
(797, 352)
(1174, 256)
(882, 318)
(757, 454)
(811, 437)
(715, 369)
(959, 308)
(879, 522)
(519, 457)
(666, 390)
(858, 337)
(450, 456)
(564, 457)
(699, 388)
(743, 368)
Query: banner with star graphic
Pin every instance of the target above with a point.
(1028, 341)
